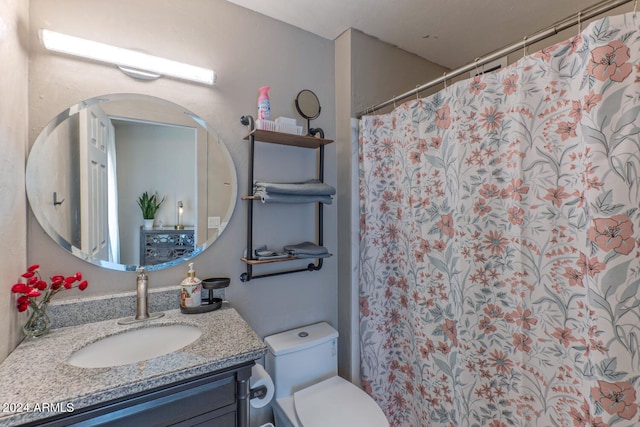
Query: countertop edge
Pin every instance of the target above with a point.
(255, 349)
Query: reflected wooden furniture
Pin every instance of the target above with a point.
(163, 244)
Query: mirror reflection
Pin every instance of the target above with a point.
(307, 104)
(90, 165)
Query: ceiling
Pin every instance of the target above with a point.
(450, 33)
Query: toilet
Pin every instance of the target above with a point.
(303, 364)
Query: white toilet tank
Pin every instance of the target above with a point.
(301, 357)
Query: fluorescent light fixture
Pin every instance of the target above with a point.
(125, 58)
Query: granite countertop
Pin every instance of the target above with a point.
(36, 372)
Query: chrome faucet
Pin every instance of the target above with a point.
(142, 305)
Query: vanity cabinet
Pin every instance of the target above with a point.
(220, 399)
(292, 140)
(164, 244)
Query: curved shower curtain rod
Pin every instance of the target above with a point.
(564, 24)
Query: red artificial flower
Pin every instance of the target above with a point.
(20, 288)
(69, 281)
(38, 292)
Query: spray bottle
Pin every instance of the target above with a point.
(264, 105)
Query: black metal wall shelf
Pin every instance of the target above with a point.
(305, 141)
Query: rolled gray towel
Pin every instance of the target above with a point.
(268, 197)
(310, 187)
(262, 253)
(307, 250)
(306, 256)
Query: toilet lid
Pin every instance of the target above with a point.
(336, 402)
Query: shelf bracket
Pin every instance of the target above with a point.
(245, 277)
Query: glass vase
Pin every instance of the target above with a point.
(38, 323)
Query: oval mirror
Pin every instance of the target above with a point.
(91, 163)
(307, 104)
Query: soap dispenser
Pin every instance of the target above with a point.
(190, 289)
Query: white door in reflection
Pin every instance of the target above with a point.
(95, 129)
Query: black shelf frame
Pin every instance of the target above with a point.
(309, 141)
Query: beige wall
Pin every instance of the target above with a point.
(368, 71)
(247, 50)
(13, 142)
(381, 71)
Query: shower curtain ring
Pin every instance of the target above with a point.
(394, 101)
(524, 46)
(477, 70)
(445, 79)
(579, 22)
(417, 92)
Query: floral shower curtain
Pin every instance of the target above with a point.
(499, 250)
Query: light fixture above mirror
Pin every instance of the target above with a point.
(133, 63)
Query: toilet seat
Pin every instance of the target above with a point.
(338, 403)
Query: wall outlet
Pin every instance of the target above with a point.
(213, 222)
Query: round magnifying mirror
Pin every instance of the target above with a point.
(307, 104)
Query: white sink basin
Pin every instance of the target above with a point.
(134, 346)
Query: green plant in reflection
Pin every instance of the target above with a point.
(149, 205)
